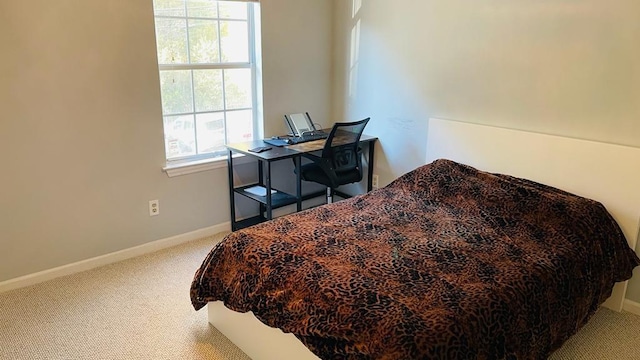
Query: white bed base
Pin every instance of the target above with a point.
(254, 338)
(605, 172)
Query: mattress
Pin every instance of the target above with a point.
(446, 262)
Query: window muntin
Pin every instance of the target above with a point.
(206, 60)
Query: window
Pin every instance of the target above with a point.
(207, 62)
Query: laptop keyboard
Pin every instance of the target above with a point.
(308, 137)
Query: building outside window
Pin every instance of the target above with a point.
(207, 62)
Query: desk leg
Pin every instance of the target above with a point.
(268, 186)
(261, 207)
(298, 184)
(232, 202)
(370, 172)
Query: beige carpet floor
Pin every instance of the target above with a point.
(140, 309)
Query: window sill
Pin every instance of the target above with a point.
(191, 167)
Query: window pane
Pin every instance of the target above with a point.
(233, 10)
(207, 100)
(239, 126)
(237, 85)
(171, 38)
(168, 7)
(210, 128)
(203, 41)
(207, 86)
(234, 37)
(202, 8)
(179, 136)
(176, 91)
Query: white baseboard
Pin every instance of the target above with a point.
(631, 306)
(111, 258)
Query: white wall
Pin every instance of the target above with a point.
(297, 46)
(81, 125)
(568, 68)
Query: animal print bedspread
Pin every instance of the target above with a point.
(446, 262)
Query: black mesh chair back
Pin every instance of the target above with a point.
(341, 159)
(342, 147)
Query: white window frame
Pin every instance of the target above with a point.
(202, 162)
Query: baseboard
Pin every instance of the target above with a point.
(631, 306)
(111, 258)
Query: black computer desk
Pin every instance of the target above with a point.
(279, 198)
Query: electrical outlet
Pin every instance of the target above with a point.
(374, 181)
(154, 207)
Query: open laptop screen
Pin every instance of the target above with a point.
(299, 123)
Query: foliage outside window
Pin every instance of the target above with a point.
(206, 59)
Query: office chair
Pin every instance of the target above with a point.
(341, 160)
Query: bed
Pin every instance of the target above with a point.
(448, 262)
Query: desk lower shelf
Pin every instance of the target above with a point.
(283, 199)
(278, 199)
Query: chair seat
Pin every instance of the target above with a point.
(313, 172)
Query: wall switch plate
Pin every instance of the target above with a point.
(154, 207)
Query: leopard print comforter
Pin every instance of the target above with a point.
(446, 262)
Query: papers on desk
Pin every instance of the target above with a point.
(259, 191)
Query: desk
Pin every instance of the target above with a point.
(280, 198)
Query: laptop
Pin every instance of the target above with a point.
(299, 124)
(301, 129)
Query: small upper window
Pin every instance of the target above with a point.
(207, 61)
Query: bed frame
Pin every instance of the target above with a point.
(605, 172)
